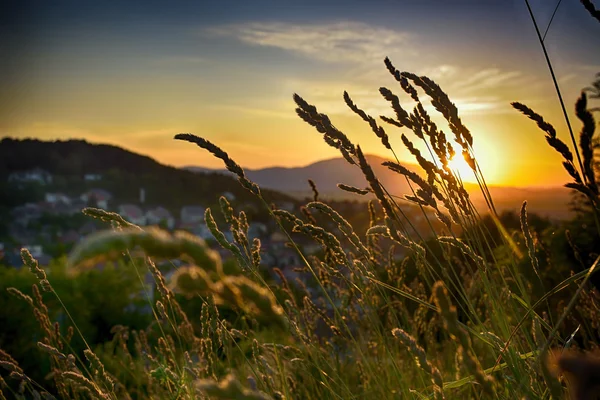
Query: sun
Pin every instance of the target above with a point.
(461, 169)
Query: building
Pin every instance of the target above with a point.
(201, 230)
(97, 197)
(34, 175)
(160, 215)
(92, 177)
(36, 250)
(56, 198)
(192, 215)
(132, 213)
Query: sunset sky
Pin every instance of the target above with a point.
(135, 73)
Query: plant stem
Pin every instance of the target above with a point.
(562, 103)
(551, 19)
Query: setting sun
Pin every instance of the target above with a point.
(461, 169)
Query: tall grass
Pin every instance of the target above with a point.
(467, 314)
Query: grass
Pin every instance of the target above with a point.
(468, 312)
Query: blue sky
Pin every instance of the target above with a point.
(135, 73)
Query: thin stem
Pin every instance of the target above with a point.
(551, 19)
(562, 103)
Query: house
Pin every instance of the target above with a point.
(201, 230)
(160, 215)
(92, 177)
(192, 214)
(97, 197)
(36, 250)
(55, 198)
(132, 213)
(35, 175)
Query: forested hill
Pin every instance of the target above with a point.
(72, 158)
(123, 173)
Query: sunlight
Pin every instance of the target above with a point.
(459, 166)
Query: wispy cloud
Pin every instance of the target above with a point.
(473, 98)
(488, 79)
(330, 42)
(487, 105)
(443, 71)
(357, 50)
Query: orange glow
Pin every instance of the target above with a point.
(461, 169)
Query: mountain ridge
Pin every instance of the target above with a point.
(326, 174)
(549, 201)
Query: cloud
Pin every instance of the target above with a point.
(360, 48)
(330, 42)
(491, 78)
(444, 71)
(476, 105)
(327, 96)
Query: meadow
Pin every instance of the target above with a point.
(488, 306)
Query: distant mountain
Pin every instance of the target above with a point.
(551, 202)
(325, 174)
(123, 172)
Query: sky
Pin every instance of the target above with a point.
(135, 73)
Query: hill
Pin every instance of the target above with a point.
(122, 172)
(326, 174)
(551, 202)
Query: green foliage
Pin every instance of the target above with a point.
(97, 300)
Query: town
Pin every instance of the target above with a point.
(50, 227)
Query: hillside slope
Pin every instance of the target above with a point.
(326, 174)
(123, 173)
